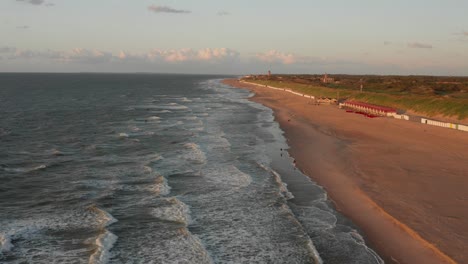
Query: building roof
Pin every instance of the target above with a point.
(372, 106)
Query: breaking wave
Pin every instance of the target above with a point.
(104, 243)
(174, 210)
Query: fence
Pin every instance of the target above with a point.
(281, 89)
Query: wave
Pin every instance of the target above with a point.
(283, 187)
(5, 243)
(24, 169)
(196, 154)
(161, 187)
(123, 135)
(154, 118)
(228, 176)
(173, 211)
(147, 169)
(104, 242)
(162, 112)
(185, 99)
(104, 218)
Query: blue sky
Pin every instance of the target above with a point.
(235, 37)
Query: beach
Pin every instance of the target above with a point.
(402, 183)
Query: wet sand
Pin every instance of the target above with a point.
(404, 184)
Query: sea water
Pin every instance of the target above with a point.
(140, 168)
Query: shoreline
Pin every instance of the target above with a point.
(385, 175)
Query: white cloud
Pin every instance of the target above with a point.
(274, 56)
(223, 13)
(94, 56)
(417, 45)
(166, 9)
(187, 55)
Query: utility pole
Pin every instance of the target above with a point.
(362, 85)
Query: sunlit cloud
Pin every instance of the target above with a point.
(274, 56)
(186, 55)
(166, 9)
(417, 45)
(94, 56)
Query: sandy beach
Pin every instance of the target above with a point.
(403, 184)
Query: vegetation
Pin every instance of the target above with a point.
(427, 95)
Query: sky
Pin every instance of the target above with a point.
(235, 37)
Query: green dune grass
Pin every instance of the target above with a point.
(430, 105)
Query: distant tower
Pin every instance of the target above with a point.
(325, 78)
(269, 73)
(362, 85)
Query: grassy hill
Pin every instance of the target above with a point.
(428, 95)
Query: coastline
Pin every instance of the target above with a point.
(402, 183)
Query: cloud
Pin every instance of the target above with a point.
(33, 2)
(94, 56)
(22, 27)
(274, 56)
(417, 45)
(37, 2)
(386, 43)
(191, 55)
(166, 9)
(223, 13)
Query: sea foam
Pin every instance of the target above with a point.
(161, 187)
(174, 211)
(5, 243)
(283, 187)
(104, 242)
(195, 154)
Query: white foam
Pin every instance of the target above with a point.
(154, 118)
(229, 176)
(147, 169)
(161, 187)
(104, 218)
(171, 106)
(162, 112)
(5, 243)
(26, 169)
(185, 99)
(195, 154)
(104, 242)
(175, 211)
(123, 135)
(282, 186)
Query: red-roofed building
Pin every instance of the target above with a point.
(370, 108)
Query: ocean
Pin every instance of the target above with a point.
(154, 168)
